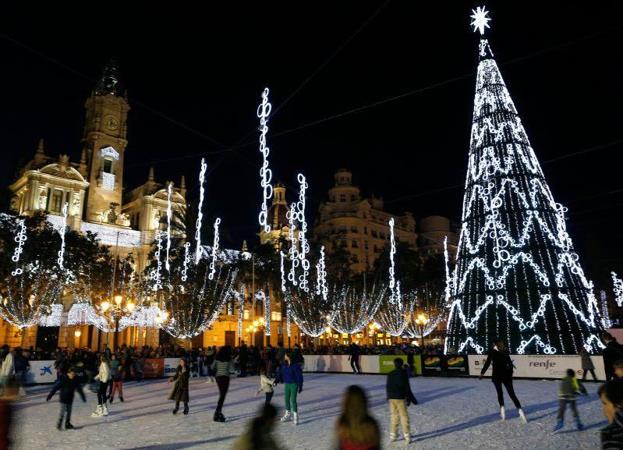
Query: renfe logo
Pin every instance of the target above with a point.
(547, 364)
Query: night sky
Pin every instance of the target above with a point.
(194, 78)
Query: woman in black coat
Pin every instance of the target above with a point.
(179, 393)
(502, 374)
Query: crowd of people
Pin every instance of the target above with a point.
(104, 373)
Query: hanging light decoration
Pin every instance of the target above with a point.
(202, 175)
(356, 305)
(263, 111)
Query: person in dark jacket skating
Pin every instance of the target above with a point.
(611, 396)
(179, 393)
(67, 385)
(502, 375)
(399, 396)
(291, 375)
(354, 352)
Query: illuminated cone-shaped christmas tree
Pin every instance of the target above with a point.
(516, 277)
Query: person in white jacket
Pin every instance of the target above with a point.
(103, 376)
(266, 386)
(7, 367)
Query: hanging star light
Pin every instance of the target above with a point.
(480, 19)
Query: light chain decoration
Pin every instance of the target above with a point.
(322, 287)
(605, 314)
(156, 274)
(263, 111)
(394, 286)
(167, 265)
(295, 261)
(356, 307)
(288, 320)
(304, 244)
(617, 288)
(283, 273)
(241, 296)
(215, 246)
(516, 276)
(186, 261)
(20, 238)
(62, 231)
(261, 296)
(202, 175)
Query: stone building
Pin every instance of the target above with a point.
(359, 225)
(93, 189)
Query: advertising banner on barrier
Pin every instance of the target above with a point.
(456, 365)
(432, 365)
(41, 372)
(540, 366)
(339, 363)
(386, 363)
(153, 368)
(170, 365)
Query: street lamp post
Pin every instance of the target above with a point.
(421, 321)
(115, 311)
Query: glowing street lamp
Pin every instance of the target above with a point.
(114, 311)
(421, 321)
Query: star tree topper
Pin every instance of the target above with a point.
(480, 19)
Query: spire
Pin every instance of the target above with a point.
(183, 186)
(110, 81)
(83, 162)
(40, 147)
(150, 175)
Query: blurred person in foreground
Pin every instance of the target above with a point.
(356, 428)
(611, 396)
(259, 434)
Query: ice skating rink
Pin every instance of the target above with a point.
(452, 413)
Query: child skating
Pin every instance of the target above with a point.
(266, 386)
(570, 387)
(291, 375)
(67, 385)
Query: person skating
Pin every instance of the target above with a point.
(222, 368)
(116, 370)
(398, 395)
(67, 385)
(266, 386)
(570, 387)
(354, 352)
(7, 368)
(210, 355)
(243, 359)
(291, 375)
(103, 376)
(179, 393)
(356, 428)
(587, 364)
(611, 396)
(502, 374)
(259, 435)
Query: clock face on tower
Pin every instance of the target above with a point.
(111, 123)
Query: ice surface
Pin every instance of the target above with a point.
(453, 412)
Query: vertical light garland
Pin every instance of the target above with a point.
(215, 246)
(394, 286)
(169, 215)
(20, 238)
(267, 315)
(617, 288)
(263, 111)
(241, 297)
(304, 249)
(605, 314)
(282, 271)
(294, 252)
(62, 231)
(186, 261)
(321, 286)
(202, 175)
(156, 274)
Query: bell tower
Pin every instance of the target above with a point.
(104, 142)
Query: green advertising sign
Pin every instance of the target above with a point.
(386, 363)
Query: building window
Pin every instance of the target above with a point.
(354, 244)
(354, 229)
(342, 198)
(374, 234)
(344, 244)
(107, 165)
(57, 201)
(352, 198)
(275, 316)
(365, 230)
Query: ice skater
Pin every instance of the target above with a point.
(354, 352)
(222, 368)
(68, 384)
(291, 375)
(502, 375)
(399, 396)
(103, 376)
(570, 387)
(116, 370)
(179, 393)
(587, 364)
(266, 386)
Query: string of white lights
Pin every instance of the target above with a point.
(617, 288)
(215, 247)
(295, 261)
(605, 314)
(304, 245)
(322, 287)
(263, 111)
(20, 239)
(167, 264)
(186, 261)
(156, 274)
(62, 231)
(202, 175)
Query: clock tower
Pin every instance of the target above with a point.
(104, 143)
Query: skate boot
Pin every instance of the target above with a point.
(69, 426)
(407, 440)
(97, 412)
(186, 409)
(502, 413)
(393, 437)
(110, 399)
(286, 416)
(104, 410)
(522, 416)
(176, 410)
(559, 425)
(121, 398)
(59, 425)
(578, 424)
(295, 417)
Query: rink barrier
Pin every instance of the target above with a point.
(541, 366)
